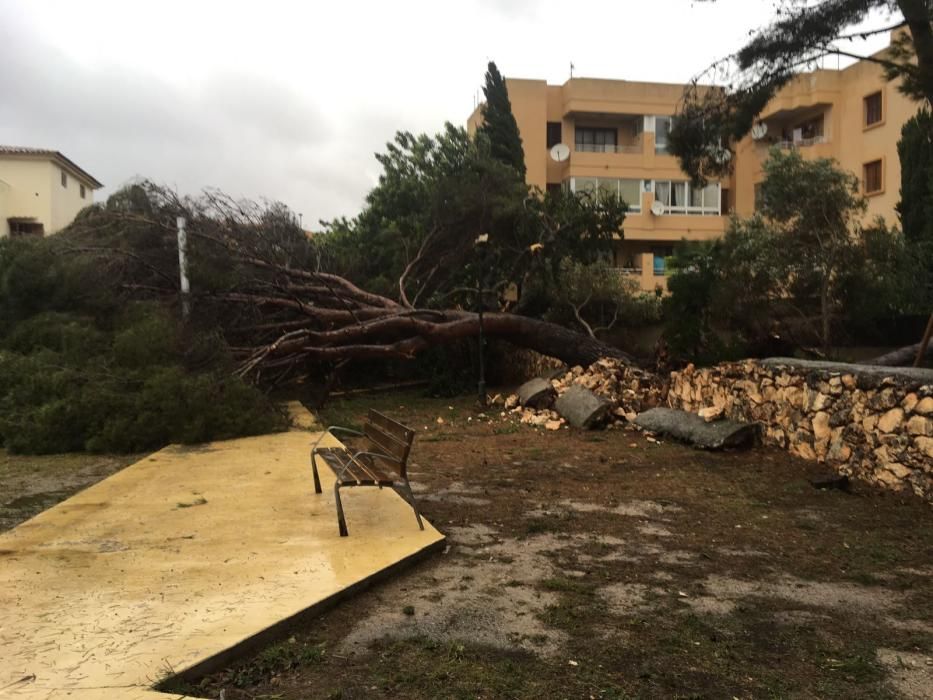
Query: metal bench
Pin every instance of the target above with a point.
(383, 461)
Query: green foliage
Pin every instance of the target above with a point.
(800, 34)
(594, 296)
(783, 278)
(435, 197)
(915, 150)
(81, 369)
(499, 125)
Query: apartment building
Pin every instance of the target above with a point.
(41, 191)
(852, 115)
(616, 131)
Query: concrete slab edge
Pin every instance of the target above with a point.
(280, 630)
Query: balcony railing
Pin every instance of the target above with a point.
(608, 148)
(802, 142)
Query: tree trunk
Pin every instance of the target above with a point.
(825, 318)
(900, 357)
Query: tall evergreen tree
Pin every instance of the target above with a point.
(499, 123)
(915, 150)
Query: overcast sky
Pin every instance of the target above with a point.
(290, 100)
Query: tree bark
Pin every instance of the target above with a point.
(900, 357)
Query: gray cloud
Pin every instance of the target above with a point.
(249, 135)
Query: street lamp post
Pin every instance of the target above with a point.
(481, 242)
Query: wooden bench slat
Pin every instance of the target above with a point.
(385, 443)
(400, 432)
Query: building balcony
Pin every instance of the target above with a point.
(634, 147)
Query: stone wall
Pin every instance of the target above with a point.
(871, 423)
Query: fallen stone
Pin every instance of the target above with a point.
(536, 393)
(692, 429)
(919, 425)
(582, 408)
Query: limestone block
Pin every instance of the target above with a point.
(909, 402)
(924, 406)
(820, 423)
(920, 425)
(891, 420)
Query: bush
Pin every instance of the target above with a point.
(82, 369)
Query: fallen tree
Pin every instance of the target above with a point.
(261, 280)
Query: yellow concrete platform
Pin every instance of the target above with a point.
(182, 560)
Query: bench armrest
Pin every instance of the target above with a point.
(336, 429)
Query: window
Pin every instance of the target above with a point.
(873, 109)
(680, 198)
(553, 133)
(22, 228)
(673, 195)
(872, 181)
(759, 197)
(662, 130)
(554, 188)
(64, 179)
(628, 190)
(595, 139)
(82, 191)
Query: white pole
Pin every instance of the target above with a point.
(183, 266)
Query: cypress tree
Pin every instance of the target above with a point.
(499, 123)
(915, 150)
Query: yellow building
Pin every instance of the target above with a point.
(616, 137)
(616, 134)
(41, 191)
(852, 115)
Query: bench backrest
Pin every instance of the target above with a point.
(390, 437)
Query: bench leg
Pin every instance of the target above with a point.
(317, 479)
(410, 497)
(341, 522)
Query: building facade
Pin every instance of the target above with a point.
(41, 191)
(616, 131)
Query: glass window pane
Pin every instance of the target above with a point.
(630, 191)
(696, 196)
(662, 192)
(585, 184)
(678, 194)
(608, 185)
(711, 196)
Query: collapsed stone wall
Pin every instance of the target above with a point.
(868, 422)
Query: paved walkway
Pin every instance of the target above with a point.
(179, 559)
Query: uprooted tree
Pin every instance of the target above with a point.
(257, 277)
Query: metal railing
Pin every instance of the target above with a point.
(802, 142)
(608, 148)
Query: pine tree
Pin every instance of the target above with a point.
(499, 123)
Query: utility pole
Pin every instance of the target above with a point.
(481, 242)
(183, 267)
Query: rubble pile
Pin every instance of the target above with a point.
(628, 391)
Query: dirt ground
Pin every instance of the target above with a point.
(30, 484)
(604, 565)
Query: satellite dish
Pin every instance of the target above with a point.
(560, 152)
(657, 208)
(759, 131)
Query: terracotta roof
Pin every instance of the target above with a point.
(51, 155)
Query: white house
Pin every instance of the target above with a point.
(41, 191)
